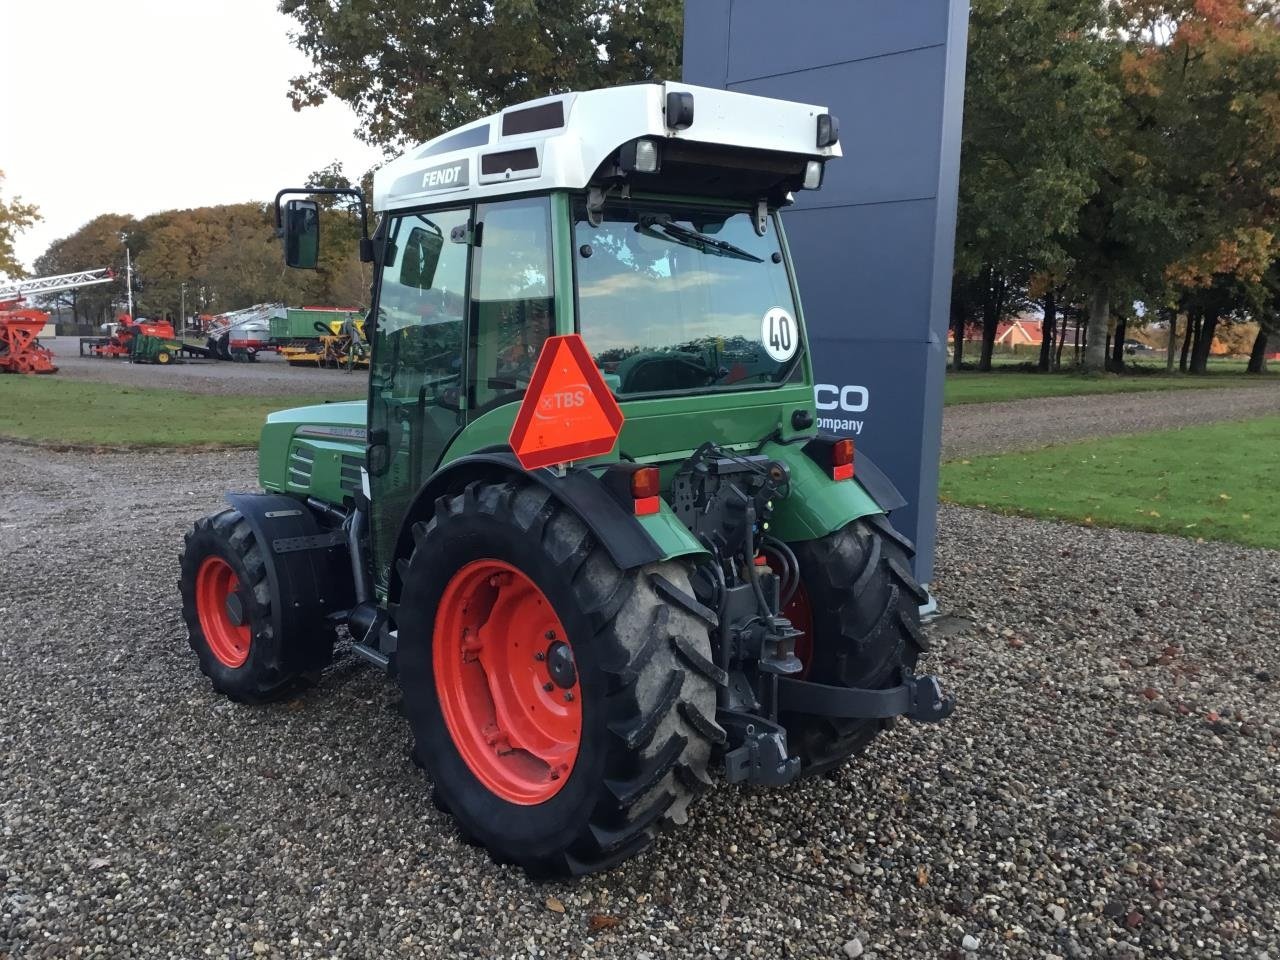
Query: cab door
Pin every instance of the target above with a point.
(512, 307)
(417, 387)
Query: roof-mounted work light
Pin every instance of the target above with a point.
(813, 175)
(828, 130)
(679, 110)
(640, 156)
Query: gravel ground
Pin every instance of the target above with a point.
(977, 428)
(1108, 786)
(269, 376)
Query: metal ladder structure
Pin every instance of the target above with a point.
(13, 292)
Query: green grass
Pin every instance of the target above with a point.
(57, 410)
(1218, 482)
(967, 387)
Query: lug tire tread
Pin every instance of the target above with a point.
(658, 755)
(864, 569)
(267, 676)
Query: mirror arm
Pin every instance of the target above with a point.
(366, 245)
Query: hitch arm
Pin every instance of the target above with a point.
(916, 698)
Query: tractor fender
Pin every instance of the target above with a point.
(307, 566)
(877, 483)
(817, 505)
(631, 541)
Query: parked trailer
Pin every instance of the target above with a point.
(239, 335)
(321, 337)
(156, 347)
(299, 323)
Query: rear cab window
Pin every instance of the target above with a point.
(676, 297)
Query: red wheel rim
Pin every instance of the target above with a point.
(507, 682)
(800, 613)
(220, 610)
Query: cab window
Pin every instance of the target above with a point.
(421, 304)
(416, 377)
(512, 303)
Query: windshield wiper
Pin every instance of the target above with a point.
(661, 224)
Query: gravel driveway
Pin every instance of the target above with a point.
(1108, 787)
(269, 376)
(973, 429)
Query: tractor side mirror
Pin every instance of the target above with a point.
(302, 234)
(420, 258)
(298, 224)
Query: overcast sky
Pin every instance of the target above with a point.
(134, 106)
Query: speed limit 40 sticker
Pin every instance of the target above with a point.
(779, 334)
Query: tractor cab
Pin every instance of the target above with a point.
(643, 218)
(585, 515)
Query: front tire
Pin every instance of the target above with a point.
(859, 607)
(641, 680)
(227, 604)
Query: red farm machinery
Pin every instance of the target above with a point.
(140, 341)
(20, 327)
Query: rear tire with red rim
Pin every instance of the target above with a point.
(563, 707)
(227, 604)
(859, 609)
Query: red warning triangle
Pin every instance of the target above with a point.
(568, 412)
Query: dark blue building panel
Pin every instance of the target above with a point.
(861, 270)
(873, 248)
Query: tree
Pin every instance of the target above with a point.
(226, 257)
(1201, 80)
(1268, 315)
(229, 254)
(1127, 228)
(412, 69)
(97, 244)
(343, 278)
(1037, 100)
(15, 217)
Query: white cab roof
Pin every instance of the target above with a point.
(559, 142)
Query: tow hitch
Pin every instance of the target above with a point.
(727, 500)
(916, 698)
(761, 754)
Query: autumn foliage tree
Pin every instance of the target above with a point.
(1120, 152)
(97, 244)
(226, 257)
(1205, 82)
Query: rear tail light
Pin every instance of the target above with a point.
(644, 483)
(842, 459)
(644, 491)
(636, 488)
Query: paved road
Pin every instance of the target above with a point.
(978, 428)
(1082, 802)
(270, 376)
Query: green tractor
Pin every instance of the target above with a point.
(585, 516)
